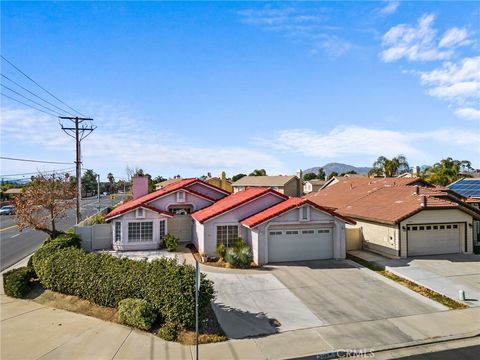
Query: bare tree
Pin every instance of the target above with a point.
(43, 201)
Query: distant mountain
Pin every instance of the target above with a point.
(338, 168)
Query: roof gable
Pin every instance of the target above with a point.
(233, 201)
(285, 206)
(171, 188)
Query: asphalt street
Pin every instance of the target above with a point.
(15, 244)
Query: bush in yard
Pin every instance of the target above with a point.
(17, 282)
(239, 255)
(106, 280)
(97, 219)
(169, 332)
(170, 242)
(137, 313)
(221, 251)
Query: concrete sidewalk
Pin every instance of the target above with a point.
(31, 331)
(445, 274)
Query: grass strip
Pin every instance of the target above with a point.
(422, 290)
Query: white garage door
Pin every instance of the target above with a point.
(433, 239)
(300, 244)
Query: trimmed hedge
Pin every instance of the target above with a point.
(17, 282)
(106, 280)
(170, 242)
(137, 313)
(168, 331)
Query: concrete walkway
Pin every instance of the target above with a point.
(32, 331)
(445, 274)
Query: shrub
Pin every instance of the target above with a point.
(221, 251)
(106, 280)
(97, 219)
(30, 267)
(170, 242)
(239, 255)
(169, 332)
(17, 282)
(137, 313)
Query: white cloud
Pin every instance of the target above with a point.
(354, 140)
(454, 36)
(130, 142)
(414, 43)
(468, 113)
(456, 82)
(390, 8)
(300, 25)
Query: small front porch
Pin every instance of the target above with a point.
(182, 255)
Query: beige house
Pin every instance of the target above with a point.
(290, 185)
(401, 217)
(312, 185)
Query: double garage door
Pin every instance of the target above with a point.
(300, 244)
(433, 239)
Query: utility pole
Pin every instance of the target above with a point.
(78, 133)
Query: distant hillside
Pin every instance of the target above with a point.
(338, 168)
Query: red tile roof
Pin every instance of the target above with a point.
(232, 201)
(181, 184)
(381, 201)
(280, 208)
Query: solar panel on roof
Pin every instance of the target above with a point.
(467, 187)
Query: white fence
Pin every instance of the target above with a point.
(95, 237)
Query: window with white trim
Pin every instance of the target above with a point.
(140, 231)
(323, 231)
(226, 234)
(140, 213)
(181, 196)
(118, 231)
(276, 232)
(291, 232)
(162, 228)
(308, 231)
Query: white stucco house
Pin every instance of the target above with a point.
(141, 223)
(276, 227)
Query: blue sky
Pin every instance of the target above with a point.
(195, 87)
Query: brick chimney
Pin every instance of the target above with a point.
(299, 175)
(140, 186)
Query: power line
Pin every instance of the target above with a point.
(35, 161)
(40, 86)
(23, 103)
(42, 172)
(31, 92)
(26, 98)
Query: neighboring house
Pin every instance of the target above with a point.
(222, 182)
(312, 185)
(276, 227)
(289, 185)
(400, 217)
(141, 223)
(162, 184)
(470, 189)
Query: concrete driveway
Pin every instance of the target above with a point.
(445, 274)
(302, 295)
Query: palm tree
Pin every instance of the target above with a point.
(447, 171)
(111, 180)
(389, 167)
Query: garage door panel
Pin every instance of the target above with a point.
(300, 244)
(433, 239)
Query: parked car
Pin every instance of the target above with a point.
(7, 210)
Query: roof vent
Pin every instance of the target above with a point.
(424, 201)
(351, 186)
(417, 189)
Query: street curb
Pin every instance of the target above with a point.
(335, 354)
(14, 266)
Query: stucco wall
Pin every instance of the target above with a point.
(441, 216)
(292, 188)
(380, 238)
